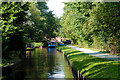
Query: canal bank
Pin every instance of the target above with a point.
(76, 73)
(89, 67)
(43, 63)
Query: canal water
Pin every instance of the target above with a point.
(43, 63)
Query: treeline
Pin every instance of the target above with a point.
(23, 23)
(92, 24)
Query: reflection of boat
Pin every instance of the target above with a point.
(28, 53)
(30, 47)
(61, 44)
(52, 44)
(51, 51)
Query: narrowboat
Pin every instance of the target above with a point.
(52, 44)
(30, 47)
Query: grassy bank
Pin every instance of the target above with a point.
(92, 67)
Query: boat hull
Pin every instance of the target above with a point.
(51, 46)
(28, 49)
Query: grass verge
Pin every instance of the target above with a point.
(92, 67)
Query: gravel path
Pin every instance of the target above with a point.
(96, 53)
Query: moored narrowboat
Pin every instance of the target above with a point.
(52, 44)
(30, 47)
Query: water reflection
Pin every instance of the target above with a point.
(51, 51)
(28, 54)
(42, 63)
(56, 63)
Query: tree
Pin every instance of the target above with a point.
(44, 22)
(13, 16)
(92, 24)
(106, 18)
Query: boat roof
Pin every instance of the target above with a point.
(52, 41)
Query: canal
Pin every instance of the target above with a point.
(42, 63)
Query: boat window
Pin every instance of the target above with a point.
(29, 45)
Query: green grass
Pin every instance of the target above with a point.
(92, 67)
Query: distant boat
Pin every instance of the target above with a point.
(30, 47)
(52, 44)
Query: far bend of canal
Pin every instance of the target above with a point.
(43, 63)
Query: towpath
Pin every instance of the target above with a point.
(96, 53)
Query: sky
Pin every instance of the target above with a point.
(56, 6)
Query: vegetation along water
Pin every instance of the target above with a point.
(93, 25)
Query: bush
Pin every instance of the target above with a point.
(38, 44)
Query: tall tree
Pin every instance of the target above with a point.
(13, 16)
(92, 24)
(44, 22)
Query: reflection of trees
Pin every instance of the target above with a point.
(28, 64)
(40, 63)
(58, 64)
(51, 59)
(62, 65)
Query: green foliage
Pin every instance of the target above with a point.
(92, 24)
(38, 44)
(44, 22)
(23, 23)
(13, 19)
